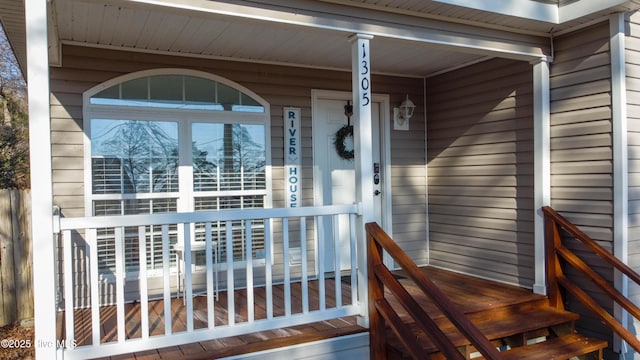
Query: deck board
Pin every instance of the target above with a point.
(470, 293)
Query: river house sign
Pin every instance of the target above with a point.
(292, 156)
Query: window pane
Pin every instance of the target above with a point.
(164, 205)
(199, 90)
(134, 156)
(167, 88)
(177, 92)
(227, 96)
(109, 93)
(136, 89)
(136, 206)
(228, 157)
(107, 207)
(247, 103)
(107, 175)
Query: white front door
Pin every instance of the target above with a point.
(334, 175)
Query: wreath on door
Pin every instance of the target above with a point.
(342, 135)
(345, 133)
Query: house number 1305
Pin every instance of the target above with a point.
(364, 84)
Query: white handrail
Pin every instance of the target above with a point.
(92, 222)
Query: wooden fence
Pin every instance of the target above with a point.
(16, 291)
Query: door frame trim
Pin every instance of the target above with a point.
(385, 148)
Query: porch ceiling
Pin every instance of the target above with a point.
(412, 37)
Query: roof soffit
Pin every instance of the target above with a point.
(406, 33)
(330, 16)
(12, 18)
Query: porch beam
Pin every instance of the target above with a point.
(577, 9)
(542, 166)
(363, 148)
(330, 16)
(535, 10)
(44, 290)
(540, 10)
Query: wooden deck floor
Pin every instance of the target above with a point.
(472, 294)
(223, 347)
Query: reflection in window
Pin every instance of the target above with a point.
(134, 156)
(228, 157)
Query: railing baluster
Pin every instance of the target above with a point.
(287, 269)
(337, 260)
(231, 308)
(210, 291)
(250, 302)
(167, 280)
(120, 274)
(377, 326)
(303, 259)
(92, 236)
(188, 278)
(144, 289)
(354, 258)
(321, 260)
(552, 238)
(67, 245)
(268, 263)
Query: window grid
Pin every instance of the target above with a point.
(151, 184)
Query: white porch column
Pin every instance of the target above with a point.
(620, 168)
(362, 136)
(542, 165)
(41, 187)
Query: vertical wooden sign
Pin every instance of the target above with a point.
(292, 157)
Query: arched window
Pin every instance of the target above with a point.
(177, 92)
(174, 141)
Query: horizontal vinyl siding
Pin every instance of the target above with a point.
(581, 155)
(408, 181)
(480, 166)
(633, 129)
(84, 68)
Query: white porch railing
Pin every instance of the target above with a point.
(276, 265)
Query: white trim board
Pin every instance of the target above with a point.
(44, 290)
(354, 346)
(538, 10)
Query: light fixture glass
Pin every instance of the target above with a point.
(407, 108)
(402, 114)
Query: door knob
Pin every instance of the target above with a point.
(376, 193)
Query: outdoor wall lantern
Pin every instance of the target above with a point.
(402, 114)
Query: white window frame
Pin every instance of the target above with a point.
(184, 118)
